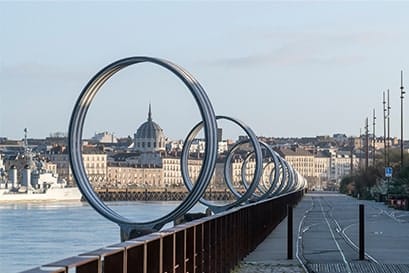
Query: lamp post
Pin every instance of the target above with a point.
(384, 130)
(389, 129)
(389, 143)
(373, 138)
(360, 149)
(352, 159)
(401, 118)
(366, 144)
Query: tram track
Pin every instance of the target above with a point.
(336, 252)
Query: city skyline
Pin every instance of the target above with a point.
(286, 69)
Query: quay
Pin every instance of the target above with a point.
(216, 243)
(244, 240)
(158, 194)
(326, 239)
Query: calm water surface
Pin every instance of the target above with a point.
(32, 234)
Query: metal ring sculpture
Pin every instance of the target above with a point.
(245, 183)
(129, 228)
(272, 180)
(258, 169)
(283, 178)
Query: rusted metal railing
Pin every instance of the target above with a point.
(213, 244)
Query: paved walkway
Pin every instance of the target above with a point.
(329, 238)
(271, 255)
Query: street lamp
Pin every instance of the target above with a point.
(366, 144)
(401, 118)
(389, 128)
(374, 138)
(360, 149)
(384, 129)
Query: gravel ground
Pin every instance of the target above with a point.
(263, 267)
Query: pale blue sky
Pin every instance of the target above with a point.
(286, 69)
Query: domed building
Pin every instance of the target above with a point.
(149, 137)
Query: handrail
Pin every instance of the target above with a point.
(215, 243)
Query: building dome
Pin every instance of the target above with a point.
(148, 129)
(149, 137)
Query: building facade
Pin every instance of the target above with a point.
(149, 137)
(95, 163)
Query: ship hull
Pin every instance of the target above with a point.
(54, 194)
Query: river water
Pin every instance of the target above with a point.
(33, 234)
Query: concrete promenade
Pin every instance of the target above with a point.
(271, 255)
(326, 238)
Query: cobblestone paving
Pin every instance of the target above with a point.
(262, 267)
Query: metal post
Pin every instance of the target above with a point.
(360, 149)
(366, 144)
(384, 129)
(289, 232)
(389, 129)
(361, 232)
(374, 139)
(401, 118)
(352, 157)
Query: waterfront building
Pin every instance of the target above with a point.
(1, 162)
(127, 175)
(342, 165)
(302, 160)
(174, 146)
(323, 166)
(322, 169)
(104, 137)
(95, 163)
(2, 168)
(149, 137)
(172, 175)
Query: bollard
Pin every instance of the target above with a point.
(289, 232)
(361, 232)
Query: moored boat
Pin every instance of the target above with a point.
(28, 179)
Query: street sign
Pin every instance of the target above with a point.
(388, 171)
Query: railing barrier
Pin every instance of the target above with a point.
(211, 244)
(215, 243)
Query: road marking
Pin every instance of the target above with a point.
(297, 247)
(335, 240)
(354, 245)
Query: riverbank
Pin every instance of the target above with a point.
(158, 195)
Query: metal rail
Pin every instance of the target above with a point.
(215, 244)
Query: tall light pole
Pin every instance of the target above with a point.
(360, 149)
(366, 144)
(373, 138)
(389, 129)
(352, 157)
(384, 130)
(401, 118)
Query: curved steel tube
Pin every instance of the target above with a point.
(128, 227)
(282, 178)
(272, 179)
(257, 173)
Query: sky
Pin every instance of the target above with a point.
(283, 68)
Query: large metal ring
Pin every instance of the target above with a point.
(258, 169)
(273, 177)
(129, 228)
